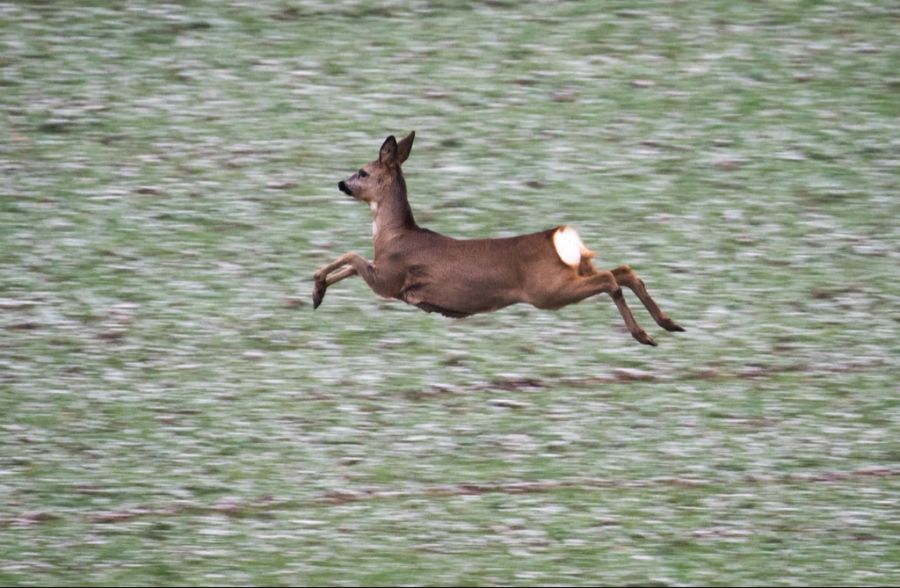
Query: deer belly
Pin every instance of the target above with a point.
(459, 296)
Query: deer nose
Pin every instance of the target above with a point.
(342, 186)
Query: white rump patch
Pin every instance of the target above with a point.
(569, 246)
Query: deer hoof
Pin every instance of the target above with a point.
(670, 325)
(318, 294)
(644, 338)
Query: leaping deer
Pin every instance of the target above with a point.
(459, 278)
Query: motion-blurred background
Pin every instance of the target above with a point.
(172, 411)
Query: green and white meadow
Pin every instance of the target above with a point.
(173, 412)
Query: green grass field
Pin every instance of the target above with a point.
(173, 412)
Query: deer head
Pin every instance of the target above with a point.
(377, 179)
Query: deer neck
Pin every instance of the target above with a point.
(393, 212)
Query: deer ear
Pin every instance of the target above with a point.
(404, 147)
(388, 153)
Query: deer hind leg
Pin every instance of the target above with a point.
(625, 276)
(350, 264)
(599, 282)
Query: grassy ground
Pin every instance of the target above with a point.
(172, 411)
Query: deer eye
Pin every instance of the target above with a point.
(362, 173)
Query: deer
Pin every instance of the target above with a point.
(462, 277)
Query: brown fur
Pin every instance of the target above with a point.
(458, 278)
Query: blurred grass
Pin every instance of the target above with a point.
(174, 412)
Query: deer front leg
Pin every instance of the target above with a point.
(335, 277)
(350, 264)
(626, 277)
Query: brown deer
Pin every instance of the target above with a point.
(458, 278)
